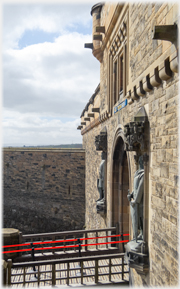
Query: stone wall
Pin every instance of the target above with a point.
(44, 189)
(161, 105)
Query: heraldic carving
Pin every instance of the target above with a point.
(135, 132)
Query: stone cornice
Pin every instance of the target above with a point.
(92, 124)
(153, 76)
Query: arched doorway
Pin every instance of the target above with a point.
(120, 186)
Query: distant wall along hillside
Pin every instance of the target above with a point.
(44, 189)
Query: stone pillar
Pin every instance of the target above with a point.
(10, 237)
(4, 272)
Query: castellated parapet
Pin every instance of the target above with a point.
(44, 189)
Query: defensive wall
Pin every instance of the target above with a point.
(44, 189)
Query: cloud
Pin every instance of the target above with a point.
(32, 129)
(17, 18)
(50, 81)
(54, 73)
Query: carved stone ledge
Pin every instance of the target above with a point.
(134, 94)
(130, 101)
(100, 29)
(80, 127)
(90, 114)
(154, 78)
(95, 109)
(140, 90)
(97, 37)
(165, 32)
(164, 70)
(104, 116)
(174, 62)
(146, 84)
(87, 118)
(136, 259)
(128, 95)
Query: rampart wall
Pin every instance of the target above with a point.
(44, 189)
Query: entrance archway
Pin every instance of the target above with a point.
(120, 186)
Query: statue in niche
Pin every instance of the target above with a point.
(136, 204)
(100, 206)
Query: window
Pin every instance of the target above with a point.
(117, 68)
(115, 82)
(121, 74)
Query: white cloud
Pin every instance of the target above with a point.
(49, 80)
(32, 129)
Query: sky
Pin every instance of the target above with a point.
(47, 74)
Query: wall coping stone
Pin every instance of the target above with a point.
(54, 150)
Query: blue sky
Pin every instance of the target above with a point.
(48, 75)
(35, 36)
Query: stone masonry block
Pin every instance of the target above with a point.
(172, 205)
(164, 170)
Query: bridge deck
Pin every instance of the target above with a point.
(74, 274)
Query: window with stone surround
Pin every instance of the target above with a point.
(117, 67)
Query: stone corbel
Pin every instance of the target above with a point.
(165, 32)
(140, 90)
(164, 70)
(80, 127)
(100, 29)
(146, 84)
(95, 109)
(174, 62)
(129, 99)
(97, 37)
(103, 116)
(90, 114)
(88, 45)
(134, 94)
(154, 78)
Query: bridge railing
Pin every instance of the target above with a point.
(84, 270)
(69, 243)
(86, 237)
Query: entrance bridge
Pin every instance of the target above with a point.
(83, 257)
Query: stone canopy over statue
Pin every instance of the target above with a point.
(136, 207)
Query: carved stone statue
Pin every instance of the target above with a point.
(101, 179)
(101, 185)
(136, 202)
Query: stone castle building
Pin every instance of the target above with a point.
(133, 115)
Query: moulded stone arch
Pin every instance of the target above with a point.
(120, 180)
